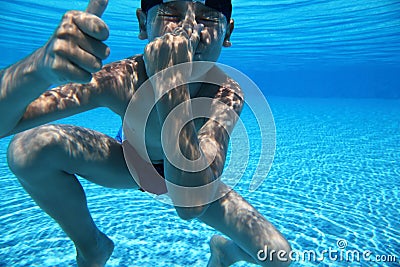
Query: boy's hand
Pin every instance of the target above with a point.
(172, 49)
(76, 49)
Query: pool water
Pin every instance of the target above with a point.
(335, 176)
(329, 71)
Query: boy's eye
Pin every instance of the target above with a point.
(168, 16)
(207, 20)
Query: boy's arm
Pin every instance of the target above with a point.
(204, 150)
(111, 87)
(203, 153)
(20, 84)
(73, 52)
(208, 147)
(214, 135)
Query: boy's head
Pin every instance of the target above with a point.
(158, 17)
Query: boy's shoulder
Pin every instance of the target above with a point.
(222, 86)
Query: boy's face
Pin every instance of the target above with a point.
(164, 18)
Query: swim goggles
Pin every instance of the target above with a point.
(223, 6)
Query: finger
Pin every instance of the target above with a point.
(69, 72)
(188, 28)
(97, 7)
(196, 35)
(93, 46)
(92, 26)
(179, 31)
(77, 56)
(198, 28)
(71, 31)
(78, 75)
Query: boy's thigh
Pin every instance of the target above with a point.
(72, 149)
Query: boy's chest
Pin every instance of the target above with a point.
(153, 132)
(143, 127)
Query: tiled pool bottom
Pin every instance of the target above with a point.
(336, 176)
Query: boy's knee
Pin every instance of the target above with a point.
(29, 151)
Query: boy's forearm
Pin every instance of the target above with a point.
(20, 84)
(181, 139)
(57, 103)
(174, 109)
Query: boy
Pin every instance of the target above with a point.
(178, 32)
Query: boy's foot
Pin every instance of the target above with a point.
(219, 257)
(99, 256)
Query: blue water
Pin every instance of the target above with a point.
(330, 72)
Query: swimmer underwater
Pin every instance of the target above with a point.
(177, 32)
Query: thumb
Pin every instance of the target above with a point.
(97, 7)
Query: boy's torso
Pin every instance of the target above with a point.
(153, 125)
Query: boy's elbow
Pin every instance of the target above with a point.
(189, 213)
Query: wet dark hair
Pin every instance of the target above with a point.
(223, 6)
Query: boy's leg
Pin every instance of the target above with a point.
(249, 230)
(46, 159)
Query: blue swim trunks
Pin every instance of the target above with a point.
(120, 135)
